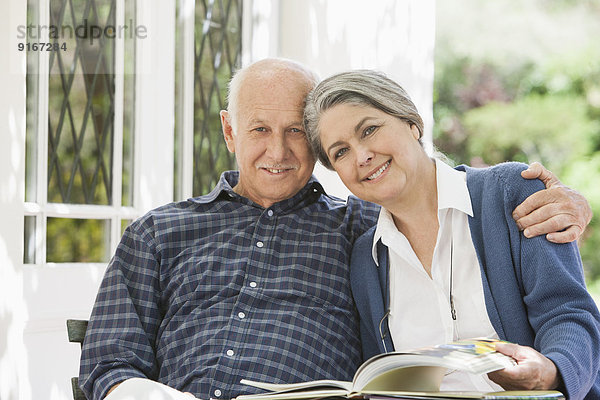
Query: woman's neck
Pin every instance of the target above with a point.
(416, 215)
(420, 200)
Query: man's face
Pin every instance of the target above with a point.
(267, 137)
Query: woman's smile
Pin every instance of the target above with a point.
(379, 171)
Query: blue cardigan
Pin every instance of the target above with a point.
(534, 290)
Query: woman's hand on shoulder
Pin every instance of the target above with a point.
(559, 212)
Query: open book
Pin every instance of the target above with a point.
(416, 373)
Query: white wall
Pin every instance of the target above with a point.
(13, 311)
(393, 36)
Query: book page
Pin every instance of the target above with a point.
(421, 378)
(510, 395)
(477, 356)
(286, 387)
(146, 389)
(295, 395)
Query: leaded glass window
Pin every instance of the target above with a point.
(217, 52)
(79, 168)
(81, 104)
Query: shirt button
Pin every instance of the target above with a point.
(270, 213)
(241, 315)
(230, 352)
(259, 244)
(217, 393)
(252, 284)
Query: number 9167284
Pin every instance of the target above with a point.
(42, 46)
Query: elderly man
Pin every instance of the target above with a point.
(250, 280)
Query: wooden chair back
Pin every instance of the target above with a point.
(76, 330)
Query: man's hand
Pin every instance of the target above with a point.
(533, 371)
(112, 388)
(558, 211)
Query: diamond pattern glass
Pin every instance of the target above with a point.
(218, 48)
(127, 178)
(81, 103)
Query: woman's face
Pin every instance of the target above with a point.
(375, 154)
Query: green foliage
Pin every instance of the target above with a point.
(594, 289)
(584, 174)
(78, 240)
(554, 130)
(549, 112)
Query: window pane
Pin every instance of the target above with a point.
(128, 106)
(218, 40)
(31, 137)
(77, 240)
(81, 103)
(29, 241)
(124, 224)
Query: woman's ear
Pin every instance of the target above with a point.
(415, 131)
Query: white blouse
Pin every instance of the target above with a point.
(420, 312)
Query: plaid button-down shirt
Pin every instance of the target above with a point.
(205, 292)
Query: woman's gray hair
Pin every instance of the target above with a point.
(359, 87)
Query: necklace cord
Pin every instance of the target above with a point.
(452, 309)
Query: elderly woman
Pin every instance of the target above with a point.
(446, 260)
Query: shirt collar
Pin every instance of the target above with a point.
(452, 193)
(224, 189)
(452, 188)
(385, 226)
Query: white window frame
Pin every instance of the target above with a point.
(148, 116)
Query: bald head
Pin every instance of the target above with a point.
(263, 127)
(267, 75)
